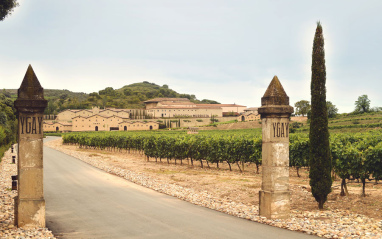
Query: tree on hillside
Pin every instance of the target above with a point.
(93, 97)
(319, 153)
(206, 101)
(362, 105)
(127, 92)
(302, 107)
(332, 109)
(6, 8)
(109, 91)
(50, 108)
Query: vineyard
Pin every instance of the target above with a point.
(357, 156)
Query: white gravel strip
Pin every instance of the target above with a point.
(7, 228)
(327, 224)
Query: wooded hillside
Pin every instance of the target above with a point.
(130, 96)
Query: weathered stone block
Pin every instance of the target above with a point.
(274, 205)
(275, 178)
(31, 153)
(31, 213)
(275, 154)
(31, 183)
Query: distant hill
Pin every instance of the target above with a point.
(146, 90)
(52, 94)
(129, 96)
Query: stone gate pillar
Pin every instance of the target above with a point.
(30, 105)
(275, 111)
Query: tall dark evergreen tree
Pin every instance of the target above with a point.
(320, 159)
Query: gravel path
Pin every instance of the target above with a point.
(327, 224)
(7, 229)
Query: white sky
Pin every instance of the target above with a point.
(225, 50)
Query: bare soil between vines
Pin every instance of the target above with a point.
(239, 187)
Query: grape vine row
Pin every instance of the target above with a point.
(356, 156)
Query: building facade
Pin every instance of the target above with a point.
(96, 123)
(138, 125)
(183, 108)
(248, 117)
(56, 126)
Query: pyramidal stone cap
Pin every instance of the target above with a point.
(30, 94)
(275, 94)
(275, 99)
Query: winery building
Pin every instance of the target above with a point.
(183, 108)
(110, 119)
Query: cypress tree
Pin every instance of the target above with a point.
(320, 159)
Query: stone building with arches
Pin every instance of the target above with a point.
(97, 122)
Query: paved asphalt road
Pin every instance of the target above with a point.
(85, 202)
